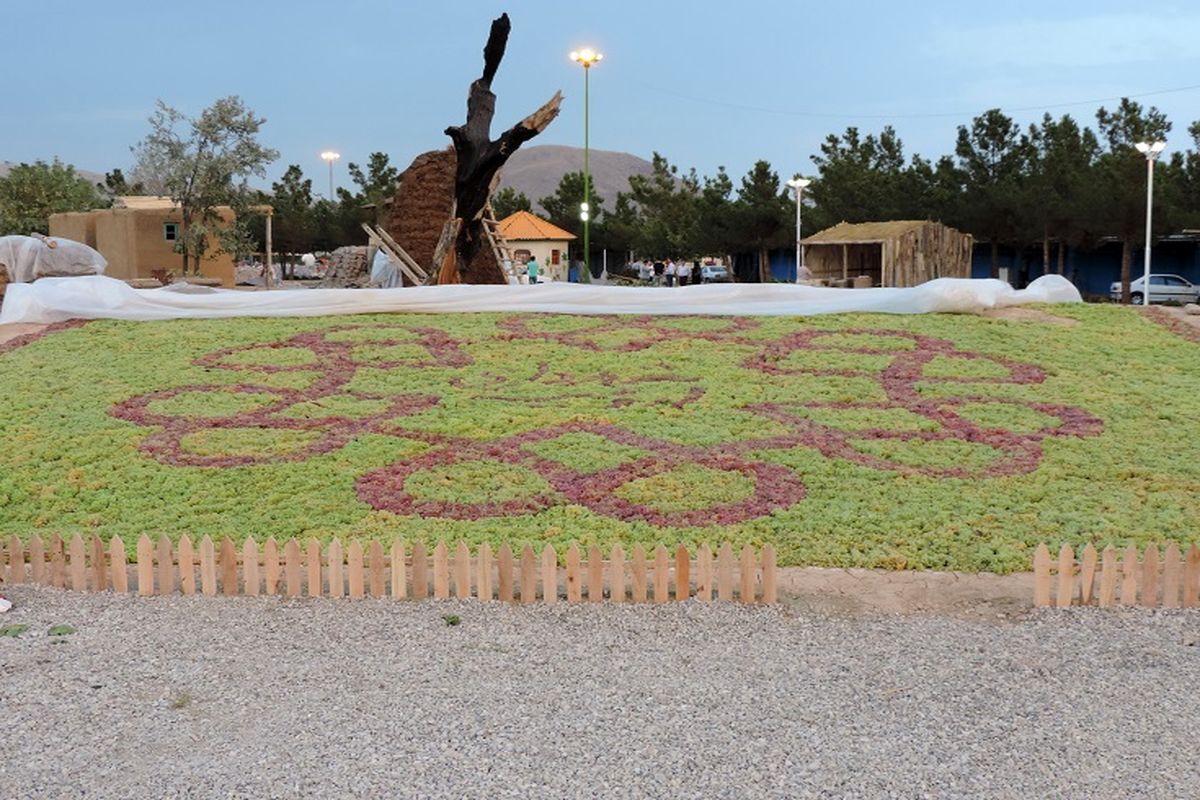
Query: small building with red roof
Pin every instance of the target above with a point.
(528, 235)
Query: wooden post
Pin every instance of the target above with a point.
(616, 575)
(229, 576)
(250, 567)
(549, 574)
(1191, 578)
(638, 573)
(37, 559)
(1150, 577)
(399, 587)
(78, 555)
(1108, 577)
(378, 585)
(99, 574)
(1066, 576)
(770, 590)
(704, 574)
(268, 273)
(662, 574)
(271, 565)
(187, 566)
(528, 575)
(354, 558)
(683, 578)
(1129, 579)
(145, 568)
(1087, 574)
(337, 575)
(574, 580)
(749, 575)
(116, 560)
(504, 579)
(595, 575)
(1041, 576)
(293, 568)
(462, 571)
(725, 572)
(1172, 575)
(58, 563)
(483, 578)
(166, 565)
(420, 572)
(16, 560)
(441, 572)
(316, 585)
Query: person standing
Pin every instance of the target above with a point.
(669, 272)
(659, 269)
(531, 269)
(685, 272)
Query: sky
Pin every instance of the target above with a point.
(705, 83)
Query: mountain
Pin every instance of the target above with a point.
(92, 177)
(537, 170)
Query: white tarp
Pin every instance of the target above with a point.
(29, 258)
(99, 297)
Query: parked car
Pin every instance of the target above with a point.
(1163, 289)
(714, 273)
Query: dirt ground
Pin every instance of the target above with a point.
(12, 331)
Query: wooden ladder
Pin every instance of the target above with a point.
(499, 245)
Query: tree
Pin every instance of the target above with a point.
(30, 193)
(509, 201)
(1061, 183)
(665, 210)
(761, 214)
(204, 163)
(716, 231)
(376, 185)
(117, 185)
(1122, 174)
(992, 155)
(294, 226)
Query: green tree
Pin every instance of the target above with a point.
(992, 155)
(666, 210)
(762, 216)
(30, 193)
(716, 230)
(294, 226)
(117, 185)
(1061, 192)
(205, 162)
(509, 201)
(1122, 174)
(376, 184)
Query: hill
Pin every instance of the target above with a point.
(537, 170)
(93, 177)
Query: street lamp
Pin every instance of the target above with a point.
(1151, 150)
(798, 184)
(587, 56)
(331, 157)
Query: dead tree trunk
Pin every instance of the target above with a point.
(480, 159)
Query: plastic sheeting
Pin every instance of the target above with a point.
(29, 258)
(98, 297)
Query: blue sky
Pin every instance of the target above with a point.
(705, 83)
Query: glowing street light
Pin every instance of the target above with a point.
(1151, 150)
(799, 184)
(586, 57)
(331, 157)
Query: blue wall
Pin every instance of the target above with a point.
(1094, 270)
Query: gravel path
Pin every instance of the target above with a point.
(260, 698)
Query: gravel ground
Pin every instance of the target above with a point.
(261, 698)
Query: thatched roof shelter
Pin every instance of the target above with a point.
(893, 253)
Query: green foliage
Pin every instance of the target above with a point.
(60, 630)
(75, 467)
(30, 193)
(13, 631)
(509, 201)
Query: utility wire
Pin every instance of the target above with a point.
(926, 115)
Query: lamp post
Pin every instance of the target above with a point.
(586, 57)
(799, 185)
(1151, 150)
(331, 157)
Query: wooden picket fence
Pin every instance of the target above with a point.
(399, 572)
(1105, 580)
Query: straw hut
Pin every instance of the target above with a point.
(896, 253)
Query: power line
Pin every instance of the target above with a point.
(924, 115)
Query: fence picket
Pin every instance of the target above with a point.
(378, 570)
(528, 575)
(1129, 576)
(1150, 577)
(187, 566)
(1108, 577)
(1087, 574)
(725, 572)
(504, 576)
(662, 574)
(616, 574)
(354, 568)
(229, 576)
(293, 568)
(16, 560)
(208, 567)
(315, 582)
(637, 569)
(549, 574)
(1191, 578)
(462, 571)
(574, 586)
(116, 560)
(749, 588)
(704, 573)
(58, 562)
(78, 554)
(683, 578)
(337, 575)
(1066, 576)
(399, 586)
(37, 560)
(595, 572)
(770, 587)
(1172, 574)
(145, 566)
(99, 573)
(166, 565)
(483, 581)
(441, 571)
(271, 566)
(250, 567)
(420, 572)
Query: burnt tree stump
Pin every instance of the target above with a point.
(479, 159)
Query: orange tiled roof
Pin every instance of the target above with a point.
(523, 226)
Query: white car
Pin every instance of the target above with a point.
(714, 273)
(1163, 289)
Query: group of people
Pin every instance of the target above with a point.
(667, 273)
